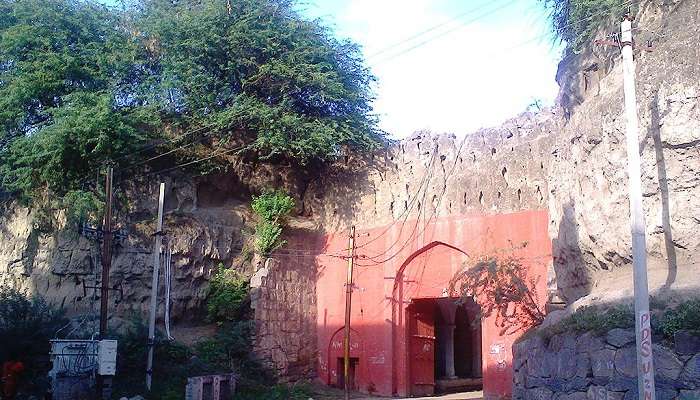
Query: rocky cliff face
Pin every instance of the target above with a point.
(570, 161)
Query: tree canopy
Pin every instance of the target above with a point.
(82, 84)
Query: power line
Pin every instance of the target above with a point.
(420, 44)
(431, 29)
(570, 23)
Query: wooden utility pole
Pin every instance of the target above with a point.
(106, 253)
(154, 287)
(645, 361)
(348, 308)
(106, 266)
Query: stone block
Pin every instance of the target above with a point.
(620, 383)
(626, 361)
(620, 337)
(539, 393)
(588, 343)
(666, 364)
(597, 393)
(576, 396)
(689, 395)
(686, 343)
(661, 394)
(576, 383)
(567, 363)
(536, 362)
(583, 365)
(536, 381)
(603, 363)
(691, 371)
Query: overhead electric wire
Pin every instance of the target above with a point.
(431, 29)
(626, 3)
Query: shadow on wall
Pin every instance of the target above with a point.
(573, 277)
(654, 131)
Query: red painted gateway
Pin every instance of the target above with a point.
(409, 336)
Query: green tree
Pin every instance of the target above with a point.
(64, 65)
(574, 22)
(283, 85)
(82, 84)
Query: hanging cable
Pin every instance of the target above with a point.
(168, 285)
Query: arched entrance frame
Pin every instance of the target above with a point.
(358, 352)
(399, 316)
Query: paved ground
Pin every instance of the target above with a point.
(333, 394)
(454, 396)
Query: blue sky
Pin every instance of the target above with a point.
(473, 71)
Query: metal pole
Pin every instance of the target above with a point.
(348, 307)
(645, 361)
(106, 266)
(154, 287)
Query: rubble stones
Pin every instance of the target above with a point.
(605, 373)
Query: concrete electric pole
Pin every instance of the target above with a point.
(154, 287)
(645, 360)
(348, 308)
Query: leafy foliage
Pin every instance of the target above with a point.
(501, 287)
(82, 84)
(684, 316)
(82, 206)
(26, 325)
(576, 21)
(595, 319)
(272, 208)
(264, 72)
(229, 350)
(228, 291)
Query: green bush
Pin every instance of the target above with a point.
(272, 209)
(228, 291)
(595, 319)
(27, 323)
(229, 350)
(267, 237)
(685, 316)
(273, 206)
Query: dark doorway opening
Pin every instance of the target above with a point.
(456, 354)
(458, 332)
(354, 362)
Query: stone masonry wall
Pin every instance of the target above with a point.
(283, 297)
(588, 367)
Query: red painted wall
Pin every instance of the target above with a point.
(417, 260)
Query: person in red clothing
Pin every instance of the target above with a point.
(11, 371)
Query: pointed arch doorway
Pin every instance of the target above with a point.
(437, 343)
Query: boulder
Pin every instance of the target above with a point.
(603, 363)
(686, 343)
(626, 361)
(620, 337)
(666, 364)
(539, 393)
